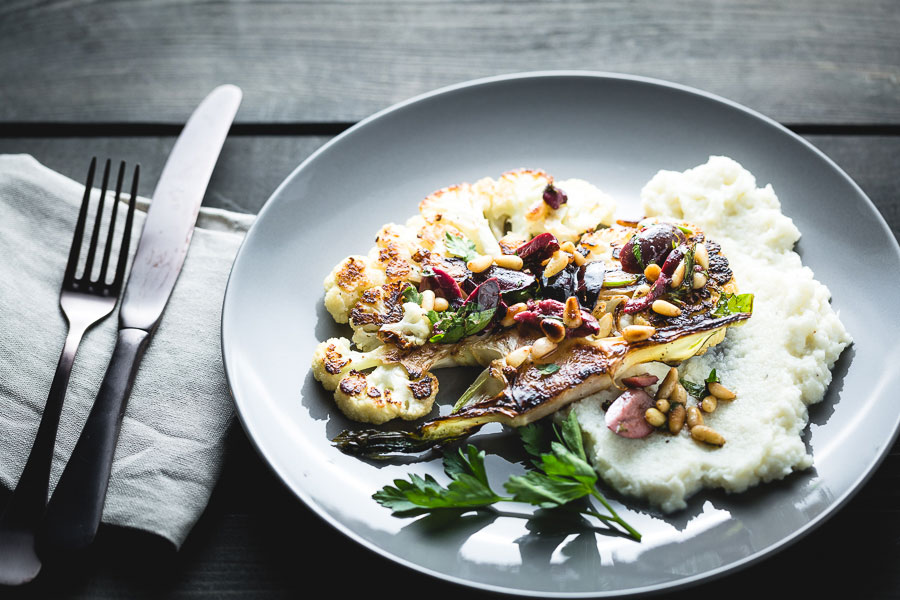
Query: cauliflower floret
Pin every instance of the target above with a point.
(586, 208)
(333, 359)
(413, 330)
(517, 203)
(377, 396)
(462, 206)
(384, 394)
(346, 283)
(397, 252)
(518, 207)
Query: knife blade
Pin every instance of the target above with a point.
(76, 506)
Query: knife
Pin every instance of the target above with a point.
(74, 511)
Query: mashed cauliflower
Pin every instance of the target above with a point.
(778, 363)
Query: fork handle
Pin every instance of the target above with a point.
(74, 511)
(21, 518)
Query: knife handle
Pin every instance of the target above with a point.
(74, 511)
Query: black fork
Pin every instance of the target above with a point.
(84, 301)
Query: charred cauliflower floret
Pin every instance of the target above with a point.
(368, 387)
(413, 329)
(517, 206)
(384, 394)
(397, 252)
(346, 283)
(464, 207)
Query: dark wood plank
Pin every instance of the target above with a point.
(805, 61)
(257, 540)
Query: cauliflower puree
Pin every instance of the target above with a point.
(778, 362)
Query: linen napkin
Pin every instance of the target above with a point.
(171, 446)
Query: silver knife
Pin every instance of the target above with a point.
(74, 511)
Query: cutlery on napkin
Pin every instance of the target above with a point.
(172, 441)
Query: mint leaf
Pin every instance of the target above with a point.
(548, 369)
(453, 326)
(461, 247)
(730, 304)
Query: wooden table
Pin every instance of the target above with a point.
(118, 78)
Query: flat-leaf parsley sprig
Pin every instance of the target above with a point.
(560, 477)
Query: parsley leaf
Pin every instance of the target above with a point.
(560, 477)
(459, 246)
(411, 294)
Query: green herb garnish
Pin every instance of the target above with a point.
(700, 390)
(560, 476)
(619, 282)
(411, 294)
(459, 246)
(451, 326)
(636, 251)
(730, 304)
(548, 369)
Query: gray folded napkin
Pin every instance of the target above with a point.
(171, 446)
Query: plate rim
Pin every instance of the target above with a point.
(837, 504)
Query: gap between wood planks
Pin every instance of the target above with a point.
(62, 130)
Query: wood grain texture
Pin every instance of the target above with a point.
(256, 540)
(804, 61)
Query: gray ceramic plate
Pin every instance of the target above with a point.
(615, 131)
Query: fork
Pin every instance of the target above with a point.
(84, 302)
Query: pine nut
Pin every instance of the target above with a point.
(679, 394)
(567, 247)
(541, 348)
(558, 262)
(554, 330)
(668, 384)
(699, 280)
(654, 417)
(701, 255)
(509, 261)
(676, 418)
(707, 435)
(694, 417)
(518, 356)
(579, 258)
(477, 265)
(666, 309)
(677, 276)
(572, 313)
(709, 404)
(441, 304)
(638, 333)
(511, 312)
(662, 405)
(652, 272)
(641, 291)
(427, 300)
(605, 323)
(720, 391)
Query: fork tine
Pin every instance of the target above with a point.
(126, 234)
(95, 234)
(112, 225)
(75, 249)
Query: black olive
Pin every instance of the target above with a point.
(560, 286)
(590, 282)
(649, 246)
